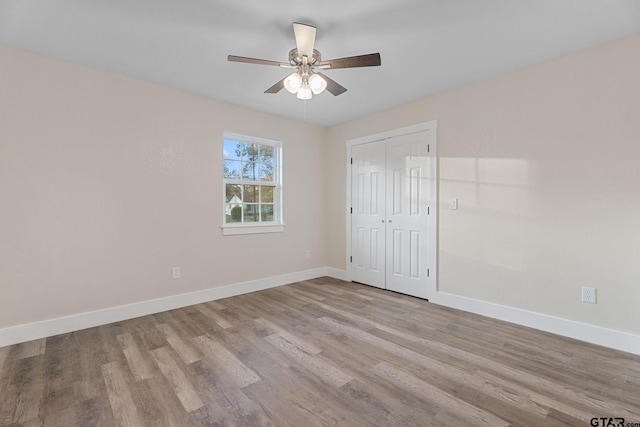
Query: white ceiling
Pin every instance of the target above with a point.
(427, 46)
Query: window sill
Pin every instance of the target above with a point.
(233, 230)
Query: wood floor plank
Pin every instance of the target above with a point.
(297, 341)
(402, 353)
(248, 346)
(390, 297)
(561, 419)
(320, 367)
(285, 407)
(120, 396)
(304, 295)
(30, 349)
(62, 417)
(225, 398)
(243, 308)
(91, 395)
(181, 385)
(58, 399)
(513, 408)
(22, 389)
(92, 412)
(139, 365)
(242, 375)
(187, 352)
(183, 321)
(218, 305)
(316, 353)
(449, 403)
(207, 311)
(382, 406)
(4, 353)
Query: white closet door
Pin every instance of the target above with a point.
(368, 213)
(393, 213)
(409, 212)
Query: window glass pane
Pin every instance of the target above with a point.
(233, 212)
(266, 212)
(266, 154)
(233, 203)
(265, 172)
(231, 191)
(268, 161)
(249, 171)
(250, 193)
(250, 152)
(232, 149)
(266, 194)
(251, 213)
(232, 169)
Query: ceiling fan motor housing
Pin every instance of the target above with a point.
(296, 59)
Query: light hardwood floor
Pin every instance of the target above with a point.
(316, 353)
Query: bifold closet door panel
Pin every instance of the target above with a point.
(409, 204)
(368, 213)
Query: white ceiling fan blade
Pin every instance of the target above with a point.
(305, 39)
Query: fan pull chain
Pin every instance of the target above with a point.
(305, 110)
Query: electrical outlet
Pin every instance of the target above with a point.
(175, 273)
(308, 254)
(588, 295)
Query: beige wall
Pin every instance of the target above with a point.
(107, 182)
(544, 162)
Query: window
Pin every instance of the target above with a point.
(252, 185)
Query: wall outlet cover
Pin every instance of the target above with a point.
(588, 294)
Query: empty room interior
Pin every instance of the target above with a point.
(365, 213)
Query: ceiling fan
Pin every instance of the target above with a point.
(306, 80)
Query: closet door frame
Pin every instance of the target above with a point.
(430, 126)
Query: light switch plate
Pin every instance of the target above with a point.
(453, 203)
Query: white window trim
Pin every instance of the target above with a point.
(276, 226)
(233, 230)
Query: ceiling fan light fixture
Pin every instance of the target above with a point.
(305, 91)
(317, 84)
(293, 82)
(308, 80)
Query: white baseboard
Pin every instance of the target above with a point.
(581, 331)
(61, 325)
(594, 334)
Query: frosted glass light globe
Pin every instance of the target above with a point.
(293, 82)
(305, 91)
(317, 84)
